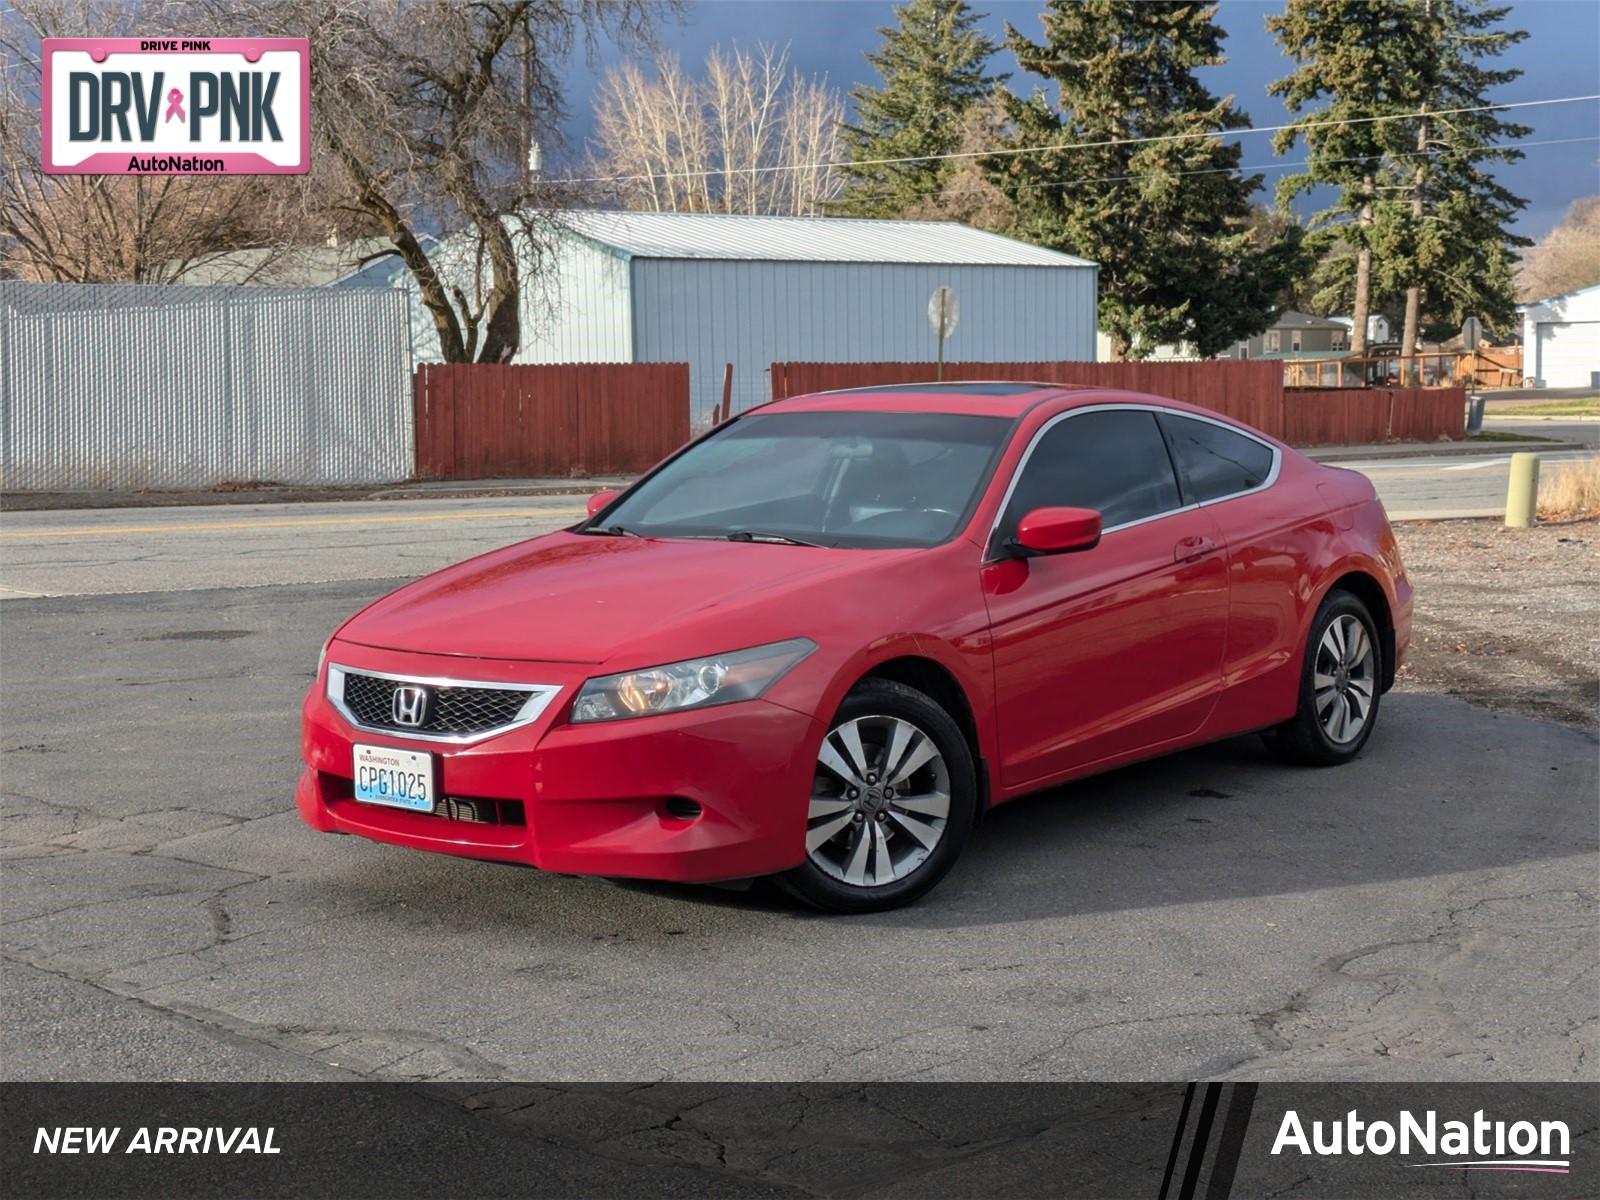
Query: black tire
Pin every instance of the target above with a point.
(1304, 738)
(884, 698)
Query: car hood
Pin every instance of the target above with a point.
(581, 598)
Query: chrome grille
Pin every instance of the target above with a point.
(449, 711)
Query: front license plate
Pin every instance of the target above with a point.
(398, 778)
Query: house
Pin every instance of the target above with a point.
(1377, 327)
(1561, 339)
(1296, 335)
(1165, 352)
(710, 289)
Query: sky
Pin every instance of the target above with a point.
(1561, 57)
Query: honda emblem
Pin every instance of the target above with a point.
(409, 705)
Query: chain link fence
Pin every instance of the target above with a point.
(122, 387)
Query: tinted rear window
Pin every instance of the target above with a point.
(1213, 461)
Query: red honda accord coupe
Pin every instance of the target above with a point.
(819, 642)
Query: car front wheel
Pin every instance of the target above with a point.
(1341, 686)
(893, 798)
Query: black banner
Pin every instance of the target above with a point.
(1135, 1141)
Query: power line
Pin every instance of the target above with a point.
(1281, 165)
(1008, 151)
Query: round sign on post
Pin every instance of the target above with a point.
(943, 311)
(942, 314)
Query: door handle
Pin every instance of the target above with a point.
(1192, 547)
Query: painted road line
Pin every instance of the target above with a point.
(286, 523)
(1476, 466)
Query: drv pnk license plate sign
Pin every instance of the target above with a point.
(398, 778)
(176, 106)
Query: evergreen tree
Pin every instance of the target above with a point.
(1359, 58)
(934, 63)
(1168, 221)
(1449, 241)
(1419, 218)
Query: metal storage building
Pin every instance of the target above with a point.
(709, 289)
(1561, 339)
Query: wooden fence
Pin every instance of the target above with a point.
(1354, 416)
(1251, 392)
(478, 421)
(481, 421)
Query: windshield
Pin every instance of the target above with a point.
(831, 478)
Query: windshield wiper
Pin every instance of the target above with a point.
(611, 531)
(777, 539)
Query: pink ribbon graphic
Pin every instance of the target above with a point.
(175, 105)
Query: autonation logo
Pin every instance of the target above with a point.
(1476, 1145)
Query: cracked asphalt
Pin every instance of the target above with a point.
(1427, 913)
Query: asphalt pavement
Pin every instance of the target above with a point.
(1426, 488)
(1424, 913)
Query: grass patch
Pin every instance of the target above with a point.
(1588, 406)
(1570, 491)
(1501, 435)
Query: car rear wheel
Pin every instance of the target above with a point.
(1341, 686)
(893, 799)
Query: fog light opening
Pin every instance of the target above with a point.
(681, 809)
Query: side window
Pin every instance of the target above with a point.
(1213, 461)
(1113, 461)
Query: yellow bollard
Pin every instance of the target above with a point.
(1522, 496)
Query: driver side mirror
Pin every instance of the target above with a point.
(1055, 531)
(600, 499)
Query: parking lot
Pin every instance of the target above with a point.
(1426, 913)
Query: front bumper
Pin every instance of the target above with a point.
(600, 799)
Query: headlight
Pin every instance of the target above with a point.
(697, 683)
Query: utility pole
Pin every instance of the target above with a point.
(1413, 323)
(1419, 179)
(1363, 304)
(526, 166)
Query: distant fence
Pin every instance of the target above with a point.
(1485, 367)
(1352, 416)
(1251, 392)
(1248, 391)
(481, 421)
(126, 387)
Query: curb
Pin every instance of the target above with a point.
(42, 501)
(1515, 417)
(1337, 454)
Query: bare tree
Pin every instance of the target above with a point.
(1565, 259)
(106, 229)
(968, 194)
(658, 127)
(813, 122)
(751, 136)
(420, 113)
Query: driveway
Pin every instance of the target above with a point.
(1425, 913)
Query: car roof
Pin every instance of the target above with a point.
(996, 398)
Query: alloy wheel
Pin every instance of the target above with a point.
(879, 802)
(1344, 679)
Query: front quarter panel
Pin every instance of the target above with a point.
(928, 606)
